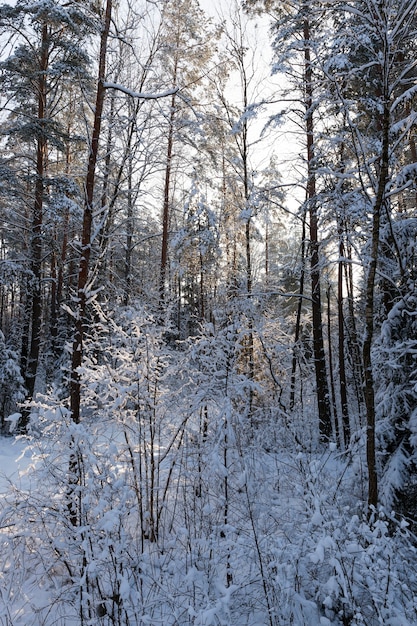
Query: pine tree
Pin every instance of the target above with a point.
(373, 76)
(187, 43)
(83, 287)
(45, 51)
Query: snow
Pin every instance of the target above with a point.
(317, 553)
(143, 514)
(141, 95)
(15, 464)
(13, 419)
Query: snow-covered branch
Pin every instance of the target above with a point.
(141, 95)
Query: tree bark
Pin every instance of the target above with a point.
(369, 391)
(297, 331)
(83, 272)
(129, 236)
(331, 375)
(165, 209)
(35, 291)
(322, 388)
(352, 335)
(341, 345)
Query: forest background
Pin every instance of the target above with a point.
(208, 312)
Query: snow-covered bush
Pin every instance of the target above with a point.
(397, 399)
(161, 508)
(11, 385)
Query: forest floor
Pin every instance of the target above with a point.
(287, 543)
(14, 465)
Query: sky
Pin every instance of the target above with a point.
(281, 141)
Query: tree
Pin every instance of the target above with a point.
(83, 287)
(296, 28)
(187, 43)
(12, 389)
(196, 247)
(318, 341)
(241, 91)
(380, 56)
(45, 53)
(239, 128)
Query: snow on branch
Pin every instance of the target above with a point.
(406, 95)
(138, 94)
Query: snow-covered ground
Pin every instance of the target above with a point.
(295, 548)
(164, 508)
(15, 464)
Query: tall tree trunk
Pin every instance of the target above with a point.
(341, 268)
(61, 266)
(202, 287)
(165, 209)
(369, 390)
(297, 331)
(59, 256)
(266, 267)
(341, 344)
(331, 375)
(35, 305)
(352, 337)
(244, 150)
(54, 306)
(322, 388)
(83, 272)
(412, 147)
(129, 235)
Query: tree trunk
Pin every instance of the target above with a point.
(35, 291)
(352, 337)
(297, 332)
(165, 210)
(244, 150)
(369, 390)
(129, 235)
(341, 345)
(83, 272)
(322, 389)
(331, 375)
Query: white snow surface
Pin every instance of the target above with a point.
(295, 549)
(15, 465)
